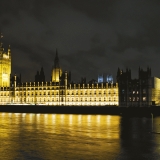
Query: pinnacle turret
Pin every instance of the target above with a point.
(56, 60)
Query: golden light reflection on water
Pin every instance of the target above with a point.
(83, 130)
(91, 124)
(68, 136)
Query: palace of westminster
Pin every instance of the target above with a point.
(127, 92)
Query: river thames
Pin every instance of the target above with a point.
(78, 137)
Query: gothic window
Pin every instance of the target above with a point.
(4, 70)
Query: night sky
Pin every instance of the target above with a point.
(92, 36)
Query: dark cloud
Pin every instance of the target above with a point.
(92, 37)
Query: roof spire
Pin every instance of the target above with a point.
(56, 52)
(1, 44)
(56, 60)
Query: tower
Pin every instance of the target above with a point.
(40, 77)
(56, 71)
(100, 78)
(5, 65)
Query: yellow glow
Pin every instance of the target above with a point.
(70, 119)
(156, 91)
(56, 74)
(5, 56)
(90, 124)
(5, 70)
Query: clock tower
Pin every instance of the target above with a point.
(5, 65)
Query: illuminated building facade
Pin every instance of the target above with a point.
(59, 91)
(127, 92)
(155, 91)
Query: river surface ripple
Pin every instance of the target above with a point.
(77, 137)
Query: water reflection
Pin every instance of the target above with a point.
(45, 136)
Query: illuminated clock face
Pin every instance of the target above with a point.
(5, 77)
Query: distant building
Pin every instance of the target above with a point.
(109, 78)
(100, 78)
(59, 91)
(134, 92)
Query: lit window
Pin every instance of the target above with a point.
(144, 98)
